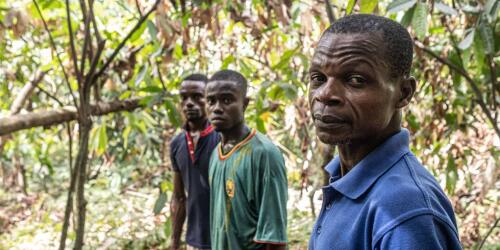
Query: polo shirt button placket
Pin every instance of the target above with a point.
(318, 230)
(329, 206)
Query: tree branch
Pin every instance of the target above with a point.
(488, 234)
(50, 96)
(472, 83)
(122, 43)
(329, 11)
(53, 117)
(72, 43)
(25, 94)
(53, 44)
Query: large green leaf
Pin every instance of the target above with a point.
(350, 6)
(173, 115)
(467, 42)
(160, 203)
(419, 20)
(446, 9)
(407, 17)
(487, 37)
(368, 6)
(399, 5)
(103, 140)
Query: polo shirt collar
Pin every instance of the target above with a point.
(364, 174)
(206, 131)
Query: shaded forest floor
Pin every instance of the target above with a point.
(118, 216)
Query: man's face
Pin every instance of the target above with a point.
(193, 100)
(225, 104)
(352, 96)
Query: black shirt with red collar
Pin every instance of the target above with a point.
(192, 163)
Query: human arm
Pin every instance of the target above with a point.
(420, 232)
(178, 210)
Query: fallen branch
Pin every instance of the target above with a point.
(52, 117)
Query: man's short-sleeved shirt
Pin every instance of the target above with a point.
(387, 201)
(192, 163)
(248, 195)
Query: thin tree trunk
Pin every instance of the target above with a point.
(69, 201)
(85, 125)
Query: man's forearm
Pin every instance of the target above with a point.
(178, 208)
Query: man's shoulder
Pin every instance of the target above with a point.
(177, 139)
(407, 190)
(406, 182)
(261, 144)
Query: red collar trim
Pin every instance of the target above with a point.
(190, 143)
(207, 130)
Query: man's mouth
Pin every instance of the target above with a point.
(217, 119)
(328, 121)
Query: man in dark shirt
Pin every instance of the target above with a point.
(190, 153)
(379, 196)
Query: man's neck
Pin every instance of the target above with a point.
(196, 125)
(352, 153)
(231, 137)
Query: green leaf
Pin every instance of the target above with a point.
(285, 59)
(479, 52)
(368, 6)
(167, 227)
(399, 5)
(467, 42)
(419, 20)
(166, 186)
(350, 6)
(228, 60)
(141, 75)
(451, 174)
(173, 114)
(103, 140)
(153, 31)
(491, 10)
(160, 203)
(152, 89)
(444, 8)
(126, 133)
(137, 34)
(487, 36)
(407, 17)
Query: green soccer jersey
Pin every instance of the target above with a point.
(248, 195)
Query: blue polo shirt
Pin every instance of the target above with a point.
(387, 201)
(192, 163)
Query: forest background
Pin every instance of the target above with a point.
(88, 105)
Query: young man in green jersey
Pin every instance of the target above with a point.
(247, 176)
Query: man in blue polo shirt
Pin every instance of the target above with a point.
(190, 153)
(379, 196)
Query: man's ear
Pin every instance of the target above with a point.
(245, 103)
(407, 90)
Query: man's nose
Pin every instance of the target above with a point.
(218, 108)
(331, 93)
(189, 103)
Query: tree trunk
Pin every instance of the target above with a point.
(69, 201)
(85, 125)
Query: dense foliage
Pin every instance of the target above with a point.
(141, 53)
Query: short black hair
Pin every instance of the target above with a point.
(231, 75)
(398, 42)
(196, 77)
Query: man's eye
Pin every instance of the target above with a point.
(318, 78)
(210, 101)
(356, 80)
(226, 100)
